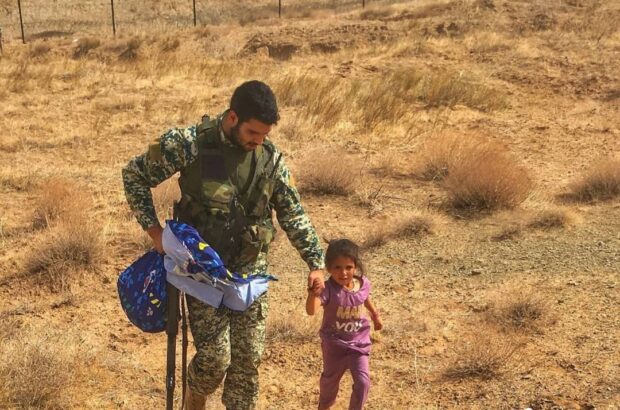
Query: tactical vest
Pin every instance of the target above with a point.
(235, 220)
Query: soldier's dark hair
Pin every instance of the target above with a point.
(255, 100)
(346, 248)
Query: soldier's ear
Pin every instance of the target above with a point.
(233, 118)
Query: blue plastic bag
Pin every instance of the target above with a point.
(142, 292)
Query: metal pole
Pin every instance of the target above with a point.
(279, 8)
(21, 21)
(113, 19)
(194, 3)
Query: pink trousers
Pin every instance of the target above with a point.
(336, 360)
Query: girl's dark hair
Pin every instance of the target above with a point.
(346, 248)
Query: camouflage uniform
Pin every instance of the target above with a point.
(228, 343)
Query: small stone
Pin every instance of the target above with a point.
(476, 271)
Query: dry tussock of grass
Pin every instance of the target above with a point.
(38, 369)
(478, 174)
(413, 225)
(484, 356)
(519, 308)
(18, 182)
(289, 327)
(65, 251)
(552, 218)
(59, 198)
(507, 233)
(601, 183)
(330, 172)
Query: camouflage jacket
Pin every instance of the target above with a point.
(178, 148)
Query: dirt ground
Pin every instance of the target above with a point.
(80, 104)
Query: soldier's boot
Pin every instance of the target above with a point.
(194, 401)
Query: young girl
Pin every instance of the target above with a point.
(345, 332)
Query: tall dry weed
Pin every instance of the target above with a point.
(329, 172)
(601, 183)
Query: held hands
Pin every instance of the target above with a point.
(315, 282)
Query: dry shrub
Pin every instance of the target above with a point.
(57, 198)
(552, 218)
(329, 173)
(507, 233)
(67, 250)
(478, 174)
(289, 327)
(130, 51)
(39, 50)
(519, 308)
(37, 369)
(486, 178)
(440, 154)
(375, 13)
(408, 226)
(601, 183)
(18, 183)
(170, 44)
(84, 45)
(485, 357)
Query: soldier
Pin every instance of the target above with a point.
(231, 178)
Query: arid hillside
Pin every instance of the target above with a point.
(471, 146)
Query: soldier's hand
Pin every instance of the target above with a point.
(155, 232)
(315, 282)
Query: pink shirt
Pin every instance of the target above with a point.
(344, 317)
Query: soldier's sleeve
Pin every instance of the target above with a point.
(294, 220)
(165, 156)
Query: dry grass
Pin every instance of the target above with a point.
(329, 173)
(552, 219)
(59, 198)
(484, 357)
(485, 179)
(413, 225)
(601, 183)
(507, 233)
(290, 327)
(478, 174)
(383, 99)
(38, 369)
(519, 308)
(70, 248)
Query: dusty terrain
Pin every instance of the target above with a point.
(377, 86)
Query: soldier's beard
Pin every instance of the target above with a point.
(234, 137)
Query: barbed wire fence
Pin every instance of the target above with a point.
(113, 15)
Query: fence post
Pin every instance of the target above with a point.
(1, 51)
(194, 4)
(113, 19)
(279, 8)
(21, 21)
(363, 3)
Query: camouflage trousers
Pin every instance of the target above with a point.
(229, 345)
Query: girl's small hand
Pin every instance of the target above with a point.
(378, 324)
